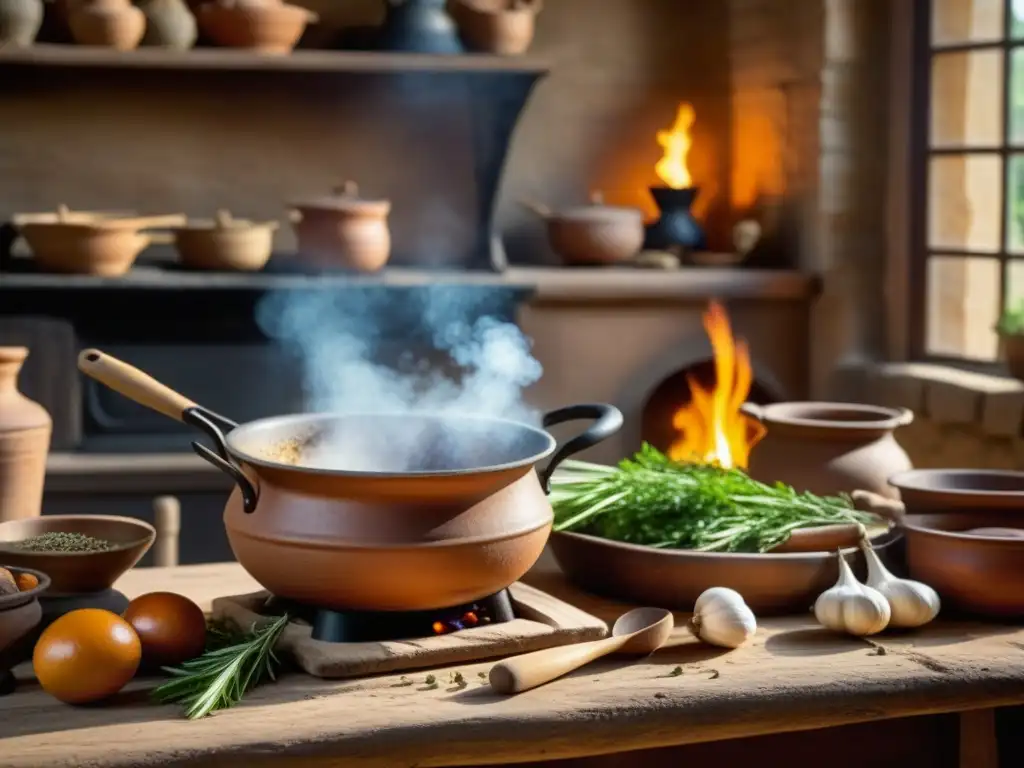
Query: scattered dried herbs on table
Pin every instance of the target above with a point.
(654, 501)
(55, 541)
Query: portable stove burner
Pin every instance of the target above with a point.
(373, 626)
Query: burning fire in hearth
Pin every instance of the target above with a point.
(677, 141)
(711, 427)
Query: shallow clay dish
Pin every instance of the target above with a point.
(771, 583)
(78, 572)
(88, 243)
(951, 523)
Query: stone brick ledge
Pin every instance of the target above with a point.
(943, 396)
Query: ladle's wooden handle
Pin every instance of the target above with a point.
(521, 673)
(133, 383)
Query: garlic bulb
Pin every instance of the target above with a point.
(851, 607)
(720, 617)
(912, 603)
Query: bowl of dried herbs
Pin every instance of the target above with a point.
(80, 553)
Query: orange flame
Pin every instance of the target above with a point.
(676, 142)
(712, 430)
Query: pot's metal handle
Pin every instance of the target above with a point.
(607, 421)
(215, 425)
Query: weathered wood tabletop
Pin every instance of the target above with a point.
(793, 676)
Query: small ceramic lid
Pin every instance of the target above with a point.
(597, 210)
(346, 199)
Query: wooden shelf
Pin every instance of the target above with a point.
(226, 59)
(550, 284)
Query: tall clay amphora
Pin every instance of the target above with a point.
(25, 429)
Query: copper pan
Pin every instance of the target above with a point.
(460, 520)
(964, 531)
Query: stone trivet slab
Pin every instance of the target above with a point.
(542, 621)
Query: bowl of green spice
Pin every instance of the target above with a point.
(80, 553)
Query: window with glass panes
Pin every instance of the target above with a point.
(970, 217)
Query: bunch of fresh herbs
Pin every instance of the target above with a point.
(234, 663)
(654, 501)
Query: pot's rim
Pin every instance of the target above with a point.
(910, 524)
(884, 539)
(250, 432)
(923, 481)
(800, 413)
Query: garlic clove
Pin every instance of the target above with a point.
(912, 603)
(722, 618)
(852, 607)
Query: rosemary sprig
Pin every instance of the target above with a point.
(223, 675)
(654, 501)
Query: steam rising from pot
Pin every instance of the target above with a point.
(432, 350)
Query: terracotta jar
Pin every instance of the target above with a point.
(169, 24)
(109, 23)
(504, 27)
(20, 21)
(829, 448)
(343, 230)
(25, 429)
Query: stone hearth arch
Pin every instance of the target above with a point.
(642, 383)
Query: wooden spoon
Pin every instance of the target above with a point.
(638, 633)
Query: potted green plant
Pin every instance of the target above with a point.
(1011, 338)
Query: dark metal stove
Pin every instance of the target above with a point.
(374, 626)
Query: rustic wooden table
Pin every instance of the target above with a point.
(792, 677)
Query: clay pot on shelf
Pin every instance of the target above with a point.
(25, 429)
(343, 230)
(829, 448)
(20, 614)
(169, 24)
(109, 23)
(504, 27)
(87, 243)
(596, 234)
(20, 21)
(267, 26)
(226, 243)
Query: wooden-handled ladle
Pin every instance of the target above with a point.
(639, 632)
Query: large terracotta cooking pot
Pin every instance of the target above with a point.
(385, 512)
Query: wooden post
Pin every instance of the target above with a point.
(167, 512)
(978, 745)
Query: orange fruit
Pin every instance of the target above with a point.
(171, 627)
(86, 655)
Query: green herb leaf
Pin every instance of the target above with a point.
(656, 502)
(223, 675)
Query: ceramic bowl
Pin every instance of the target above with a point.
(20, 613)
(947, 512)
(225, 243)
(72, 573)
(771, 583)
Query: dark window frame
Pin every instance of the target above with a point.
(921, 152)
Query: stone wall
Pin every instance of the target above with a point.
(962, 419)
